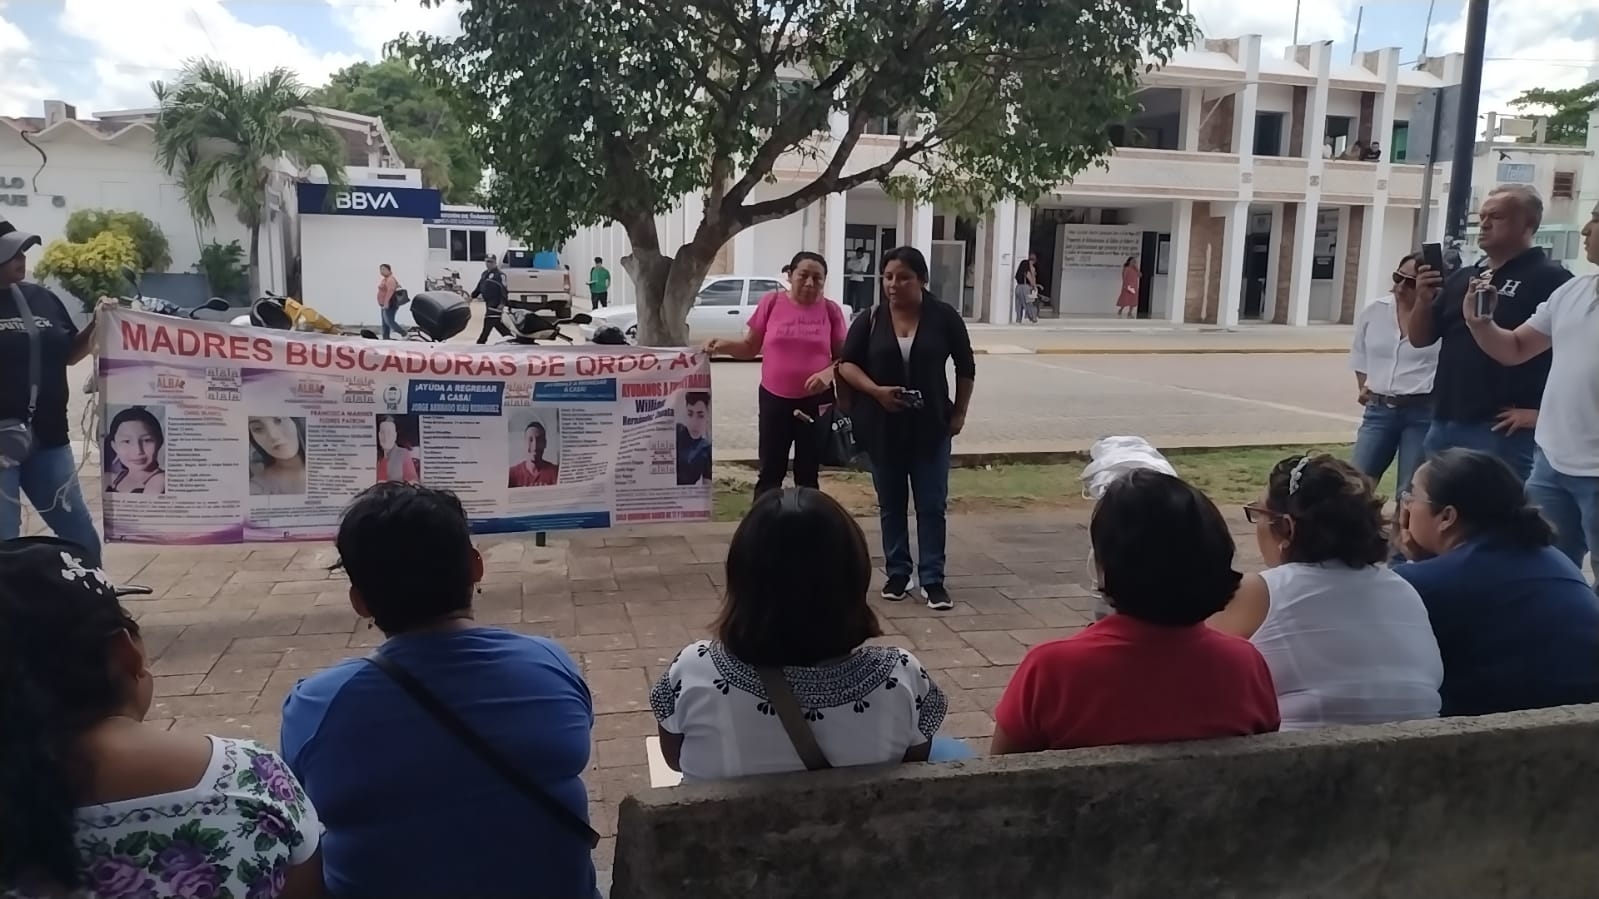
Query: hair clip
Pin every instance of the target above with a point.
(1298, 473)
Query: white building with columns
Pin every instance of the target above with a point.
(1235, 189)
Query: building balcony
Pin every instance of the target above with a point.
(1160, 174)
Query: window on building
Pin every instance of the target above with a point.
(458, 245)
(1269, 133)
(438, 239)
(477, 245)
(1399, 144)
(1340, 133)
(1565, 186)
(1516, 173)
(883, 125)
(465, 244)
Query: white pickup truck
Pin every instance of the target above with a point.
(533, 278)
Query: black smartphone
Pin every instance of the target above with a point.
(912, 398)
(1432, 256)
(1485, 304)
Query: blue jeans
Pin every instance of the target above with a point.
(927, 477)
(1571, 504)
(949, 749)
(390, 323)
(1386, 432)
(1515, 450)
(49, 477)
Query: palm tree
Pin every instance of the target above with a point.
(219, 131)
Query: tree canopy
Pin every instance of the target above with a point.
(591, 112)
(426, 131)
(1567, 111)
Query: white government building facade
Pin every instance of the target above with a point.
(1221, 188)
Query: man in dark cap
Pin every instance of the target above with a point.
(38, 341)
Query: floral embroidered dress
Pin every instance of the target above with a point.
(864, 709)
(232, 836)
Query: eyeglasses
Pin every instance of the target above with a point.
(1255, 514)
(1406, 280)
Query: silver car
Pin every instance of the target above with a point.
(721, 309)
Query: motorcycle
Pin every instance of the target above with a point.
(450, 281)
(533, 322)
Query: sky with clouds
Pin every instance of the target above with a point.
(103, 54)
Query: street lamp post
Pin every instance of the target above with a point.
(1466, 135)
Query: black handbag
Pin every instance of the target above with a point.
(836, 432)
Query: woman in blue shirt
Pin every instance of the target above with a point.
(411, 810)
(1517, 624)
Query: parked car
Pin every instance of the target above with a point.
(722, 309)
(538, 279)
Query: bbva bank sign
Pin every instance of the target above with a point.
(369, 200)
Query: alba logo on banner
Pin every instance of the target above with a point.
(369, 200)
(360, 201)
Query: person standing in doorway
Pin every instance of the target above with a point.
(896, 361)
(38, 340)
(1127, 298)
(491, 289)
(1565, 467)
(1393, 380)
(1477, 402)
(600, 284)
(388, 303)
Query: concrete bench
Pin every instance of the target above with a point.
(1501, 806)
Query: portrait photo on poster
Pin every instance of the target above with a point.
(135, 450)
(694, 438)
(277, 455)
(533, 444)
(399, 448)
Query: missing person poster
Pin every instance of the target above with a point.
(217, 433)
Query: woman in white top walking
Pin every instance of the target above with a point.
(1347, 640)
(1394, 383)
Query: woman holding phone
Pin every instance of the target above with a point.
(895, 358)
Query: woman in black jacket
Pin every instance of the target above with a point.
(895, 358)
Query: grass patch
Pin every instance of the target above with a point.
(1230, 476)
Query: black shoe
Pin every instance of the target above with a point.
(938, 598)
(897, 588)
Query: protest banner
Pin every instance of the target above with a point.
(216, 433)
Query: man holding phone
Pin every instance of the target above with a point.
(1565, 469)
(1480, 403)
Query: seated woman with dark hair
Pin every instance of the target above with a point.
(1152, 672)
(796, 611)
(412, 808)
(1516, 621)
(94, 802)
(1347, 640)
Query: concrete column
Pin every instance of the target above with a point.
(1023, 241)
(1182, 234)
(1193, 111)
(1235, 234)
(1230, 297)
(1002, 264)
(1300, 280)
(921, 235)
(834, 214)
(1373, 268)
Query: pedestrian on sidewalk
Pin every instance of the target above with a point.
(38, 341)
(797, 333)
(599, 284)
(1565, 467)
(1479, 403)
(491, 289)
(897, 359)
(1393, 381)
(1127, 298)
(388, 301)
(1026, 296)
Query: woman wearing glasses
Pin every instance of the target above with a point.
(1347, 640)
(1394, 382)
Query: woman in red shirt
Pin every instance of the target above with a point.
(1152, 672)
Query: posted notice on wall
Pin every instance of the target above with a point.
(216, 433)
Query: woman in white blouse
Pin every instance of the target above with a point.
(798, 569)
(1394, 383)
(1346, 639)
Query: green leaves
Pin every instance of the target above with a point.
(1567, 110)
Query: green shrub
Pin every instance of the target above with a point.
(154, 253)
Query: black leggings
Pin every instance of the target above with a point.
(777, 430)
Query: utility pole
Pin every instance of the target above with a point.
(1297, 5)
(1424, 219)
(1466, 135)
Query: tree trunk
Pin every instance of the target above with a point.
(255, 260)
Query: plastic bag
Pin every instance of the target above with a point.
(1113, 457)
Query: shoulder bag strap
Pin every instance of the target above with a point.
(480, 747)
(794, 723)
(25, 313)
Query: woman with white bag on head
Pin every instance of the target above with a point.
(1111, 459)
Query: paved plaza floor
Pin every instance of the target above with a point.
(231, 629)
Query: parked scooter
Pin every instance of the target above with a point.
(215, 309)
(531, 323)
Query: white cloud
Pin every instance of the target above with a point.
(372, 25)
(24, 85)
(1526, 51)
(133, 44)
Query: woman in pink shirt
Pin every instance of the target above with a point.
(387, 286)
(797, 334)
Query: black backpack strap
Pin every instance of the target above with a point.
(480, 747)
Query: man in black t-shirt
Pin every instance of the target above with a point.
(1478, 403)
(48, 473)
(491, 290)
